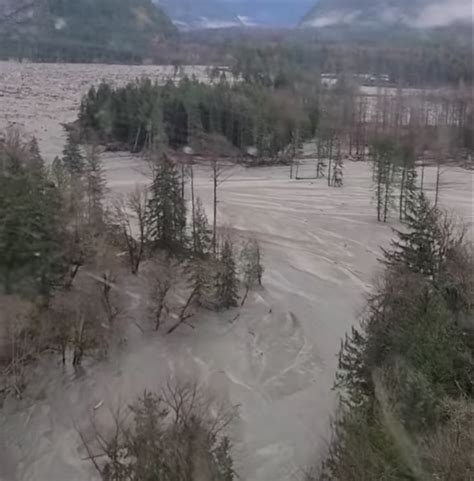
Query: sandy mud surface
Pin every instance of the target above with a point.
(276, 360)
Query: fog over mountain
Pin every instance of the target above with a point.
(414, 13)
(192, 14)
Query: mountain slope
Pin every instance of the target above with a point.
(83, 25)
(416, 13)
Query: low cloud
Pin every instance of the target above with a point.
(435, 14)
(334, 18)
(444, 13)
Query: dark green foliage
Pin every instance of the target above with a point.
(412, 354)
(202, 232)
(200, 278)
(362, 450)
(30, 229)
(35, 161)
(227, 284)
(423, 247)
(96, 189)
(414, 56)
(166, 211)
(410, 190)
(246, 115)
(351, 360)
(73, 159)
(224, 462)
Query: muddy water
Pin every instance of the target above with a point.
(276, 361)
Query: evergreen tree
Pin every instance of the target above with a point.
(423, 247)
(95, 187)
(72, 157)
(405, 166)
(35, 161)
(202, 231)
(49, 250)
(166, 212)
(384, 174)
(411, 316)
(223, 460)
(410, 190)
(227, 283)
(59, 174)
(30, 229)
(200, 279)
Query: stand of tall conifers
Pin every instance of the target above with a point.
(405, 378)
(246, 115)
(60, 227)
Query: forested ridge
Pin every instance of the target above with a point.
(42, 30)
(82, 30)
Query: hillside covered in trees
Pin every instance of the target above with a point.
(121, 30)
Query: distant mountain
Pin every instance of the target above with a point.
(199, 14)
(41, 27)
(413, 13)
(271, 13)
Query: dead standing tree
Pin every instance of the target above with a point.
(193, 203)
(130, 215)
(338, 171)
(384, 174)
(251, 266)
(220, 173)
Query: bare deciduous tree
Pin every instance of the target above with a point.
(15, 345)
(130, 215)
(163, 276)
(179, 432)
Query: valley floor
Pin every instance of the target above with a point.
(276, 360)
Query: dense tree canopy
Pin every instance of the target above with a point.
(30, 230)
(405, 376)
(143, 114)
